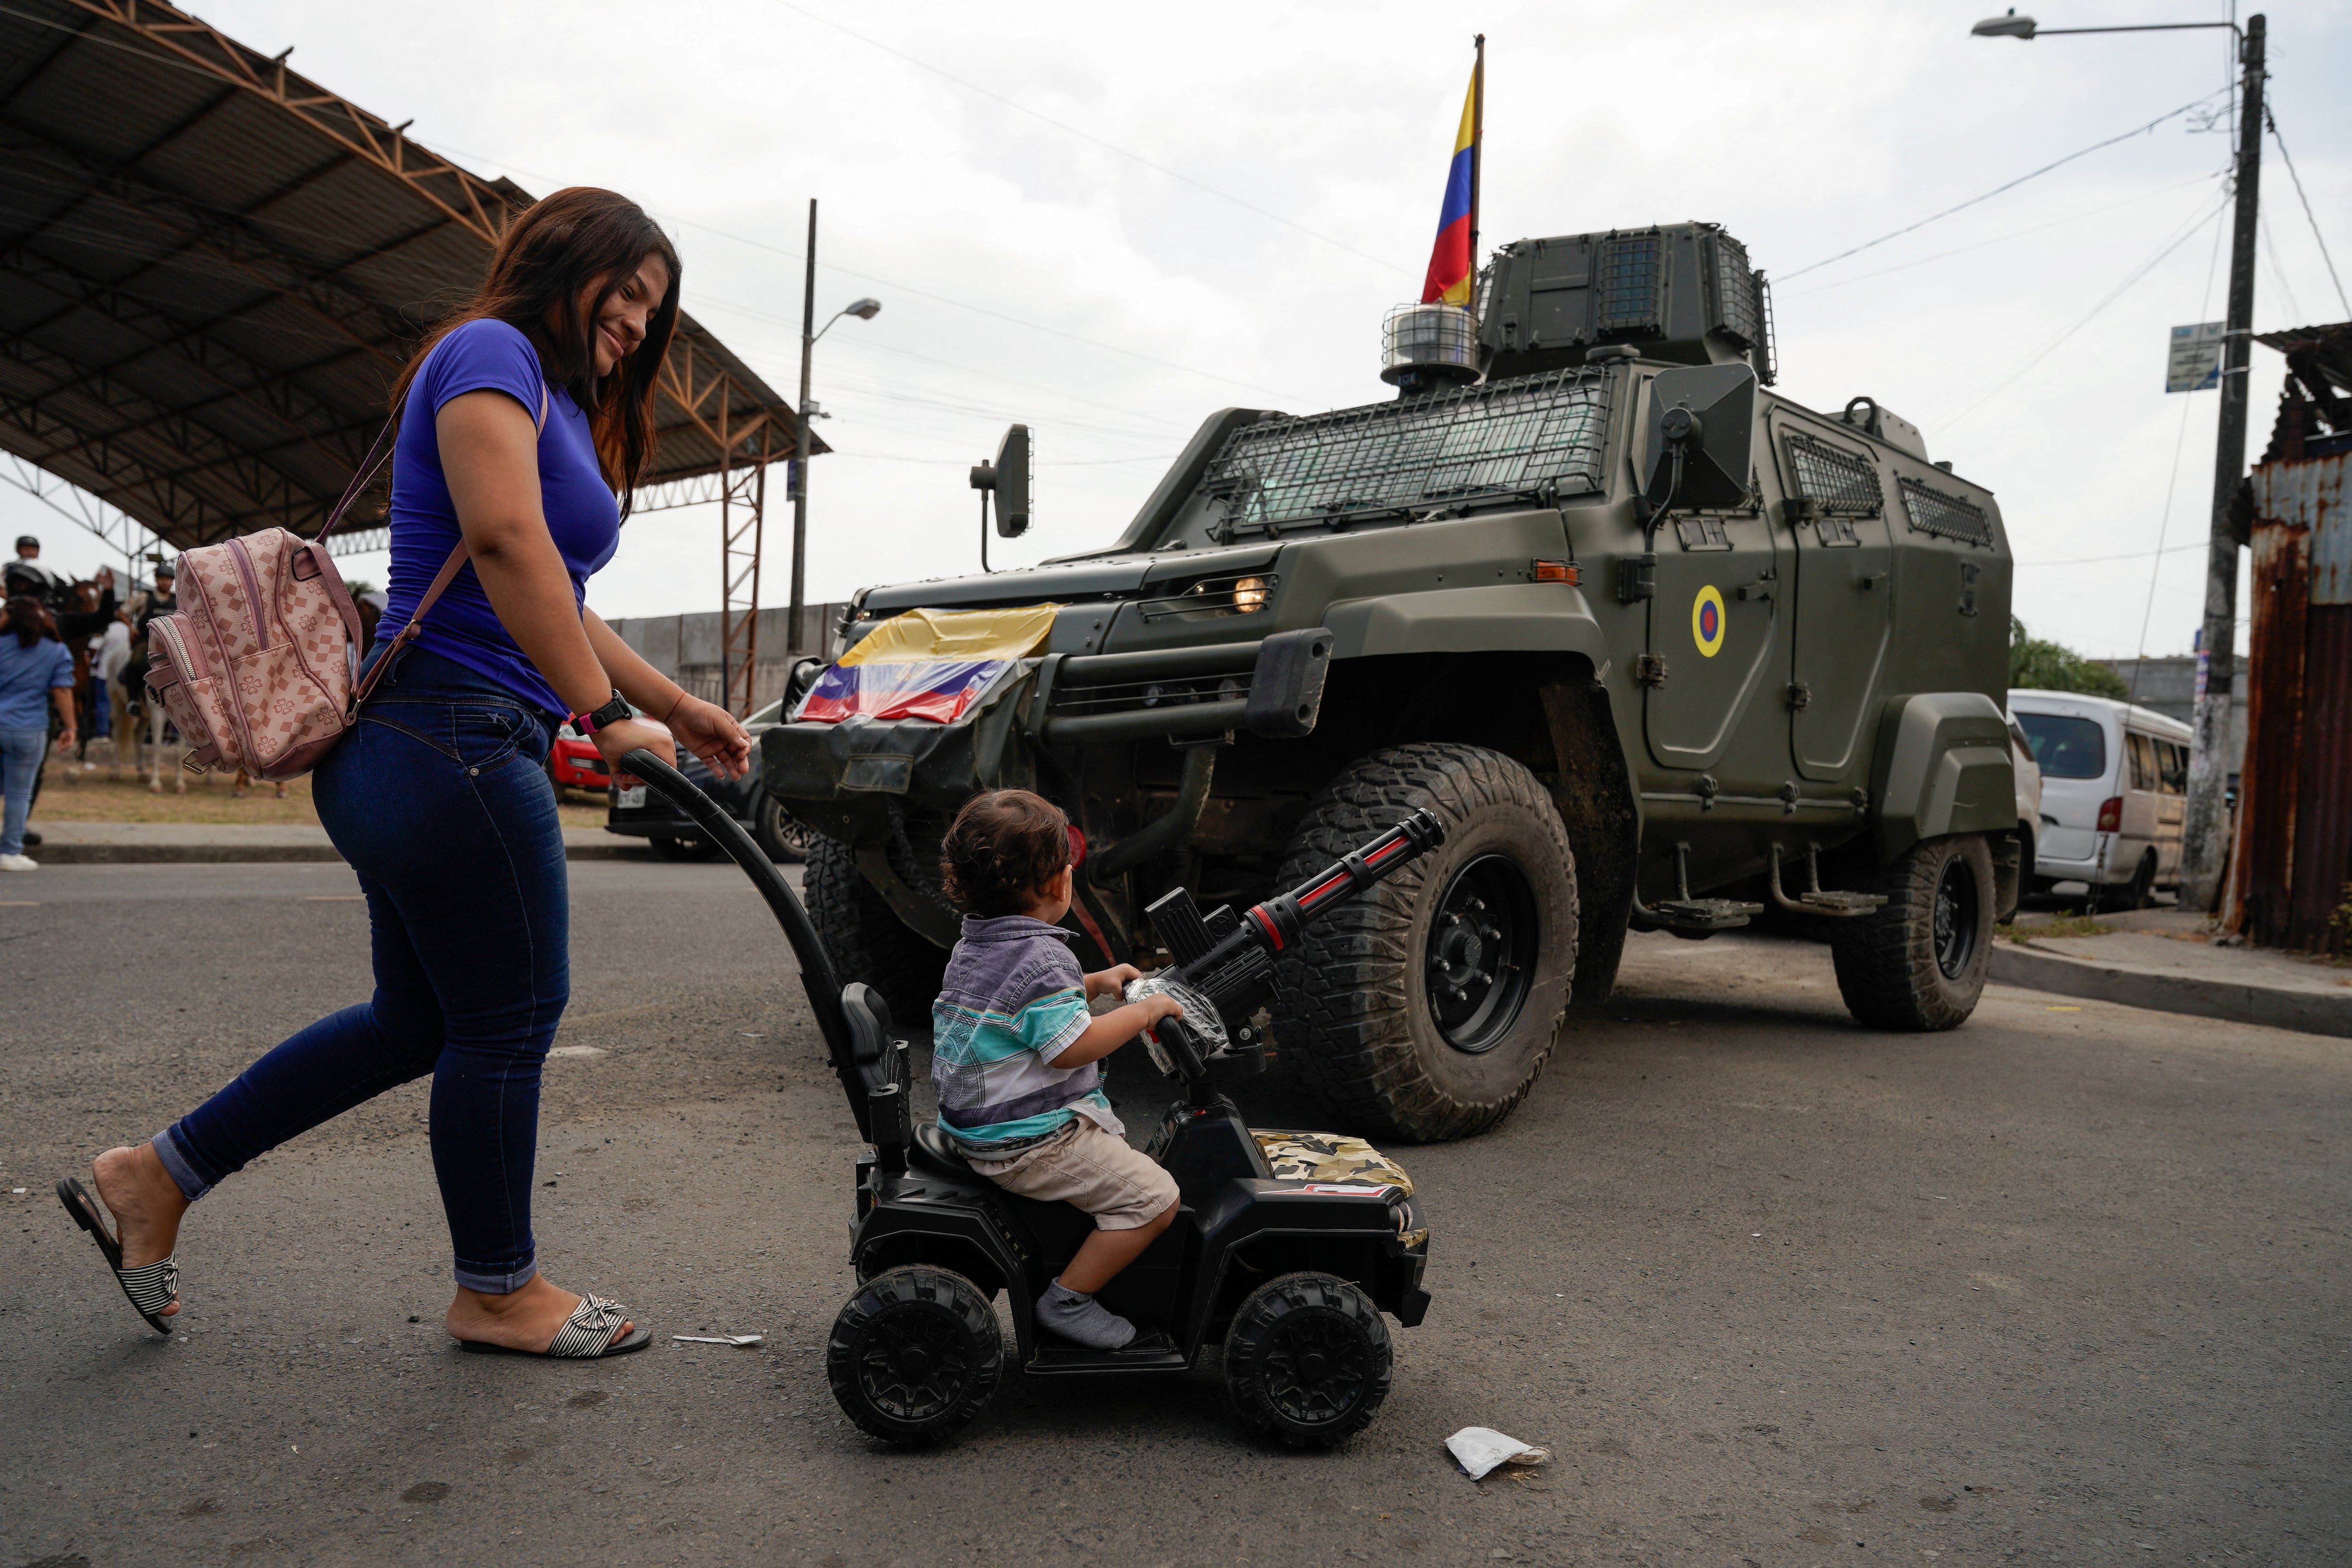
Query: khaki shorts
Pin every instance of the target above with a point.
(1121, 1186)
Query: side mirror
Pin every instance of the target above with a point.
(1013, 484)
(1706, 415)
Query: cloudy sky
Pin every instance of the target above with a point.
(1107, 222)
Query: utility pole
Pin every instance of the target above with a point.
(2205, 847)
(801, 448)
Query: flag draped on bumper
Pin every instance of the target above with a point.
(925, 664)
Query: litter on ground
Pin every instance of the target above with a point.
(1479, 1449)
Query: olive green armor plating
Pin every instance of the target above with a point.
(1670, 651)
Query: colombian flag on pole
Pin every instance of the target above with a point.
(1451, 263)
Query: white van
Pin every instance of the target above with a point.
(2114, 792)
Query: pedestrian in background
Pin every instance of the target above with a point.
(526, 424)
(35, 671)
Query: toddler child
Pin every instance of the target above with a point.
(1014, 1049)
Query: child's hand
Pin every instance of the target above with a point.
(1112, 982)
(1160, 1005)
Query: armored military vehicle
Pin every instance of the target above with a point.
(1663, 650)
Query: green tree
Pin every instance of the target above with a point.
(2054, 667)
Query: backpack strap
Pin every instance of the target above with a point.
(378, 453)
(441, 581)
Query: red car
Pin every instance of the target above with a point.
(573, 763)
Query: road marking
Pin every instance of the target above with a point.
(2055, 1009)
(20, 904)
(334, 898)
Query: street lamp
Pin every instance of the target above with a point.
(2203, 846)
(864, 309)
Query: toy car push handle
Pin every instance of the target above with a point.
(817, 970)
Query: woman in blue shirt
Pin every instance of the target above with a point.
(35, 669)
(526, 421)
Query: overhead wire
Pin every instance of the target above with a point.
(1997, 190)
(2173, 484)
(1384, 263)
(2288, 158)
(2172, 243)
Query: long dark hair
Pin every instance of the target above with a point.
(27, 618)
(550, 254)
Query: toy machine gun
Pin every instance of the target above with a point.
(1222, 961)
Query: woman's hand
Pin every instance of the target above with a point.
(614, 741)
(713, 734)
(1112, 982)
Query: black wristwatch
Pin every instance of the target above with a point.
(593, 719)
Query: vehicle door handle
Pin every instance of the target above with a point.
(1869, 579)
(1757, 590)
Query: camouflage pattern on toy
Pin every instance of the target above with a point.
(1328, 1156)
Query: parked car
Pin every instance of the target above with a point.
(2029, 813)
(2114, 792)
(639, 813)
(573, 763)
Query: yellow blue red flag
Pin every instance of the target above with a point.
(1450, 263)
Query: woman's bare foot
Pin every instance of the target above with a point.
(146, 1205)
(524, 1319)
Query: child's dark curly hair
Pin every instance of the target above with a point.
(1002, 849)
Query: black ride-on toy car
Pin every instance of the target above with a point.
(1288, 1244)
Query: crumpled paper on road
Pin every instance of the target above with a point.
(1479, 1449)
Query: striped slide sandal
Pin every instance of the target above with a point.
(150, 1287)
(590, 1333)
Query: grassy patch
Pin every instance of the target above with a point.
(2063, 925)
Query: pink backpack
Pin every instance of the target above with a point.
(258, 669)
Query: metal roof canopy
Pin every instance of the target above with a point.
(212, 270)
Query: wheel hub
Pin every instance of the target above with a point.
(1481, 953)
(1317, 1368)
(912, 1366)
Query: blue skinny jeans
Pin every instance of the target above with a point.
(21, 750)
(439, 800)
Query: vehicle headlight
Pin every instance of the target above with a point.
(1249, 595)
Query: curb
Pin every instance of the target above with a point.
(266, 854)
(2303, 1011)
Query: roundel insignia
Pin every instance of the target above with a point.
(1707, 622)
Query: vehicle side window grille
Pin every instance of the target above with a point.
(1533, 436)
(1930, 511)
(1837, 481)
(1736, 314)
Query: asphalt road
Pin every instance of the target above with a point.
(2067, 1285)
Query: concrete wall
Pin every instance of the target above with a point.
(687, 648)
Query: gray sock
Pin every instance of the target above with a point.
(1082, 1319)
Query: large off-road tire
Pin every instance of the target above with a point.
(914, 1354)
(1426, 1008)
(866, 941)
(1918, 961)
(1308, 1361)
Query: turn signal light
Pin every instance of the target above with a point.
(1557, 572)
(2111, 815)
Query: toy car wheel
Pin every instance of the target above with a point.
(1308, 1360)
(1918, 962)
(866, 941)
(914, 1354)
(1427, 1008)
(784, 836)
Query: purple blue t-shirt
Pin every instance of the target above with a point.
(583, 514)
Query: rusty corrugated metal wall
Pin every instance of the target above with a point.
(2293, 855)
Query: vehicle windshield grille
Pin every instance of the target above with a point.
(1534, 435)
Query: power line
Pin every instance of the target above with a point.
(2119, 290)
(2002, 239)
(2288, 158)
(2173, 484)
(1087, 136)
(1997, 190)
(2128, 555)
